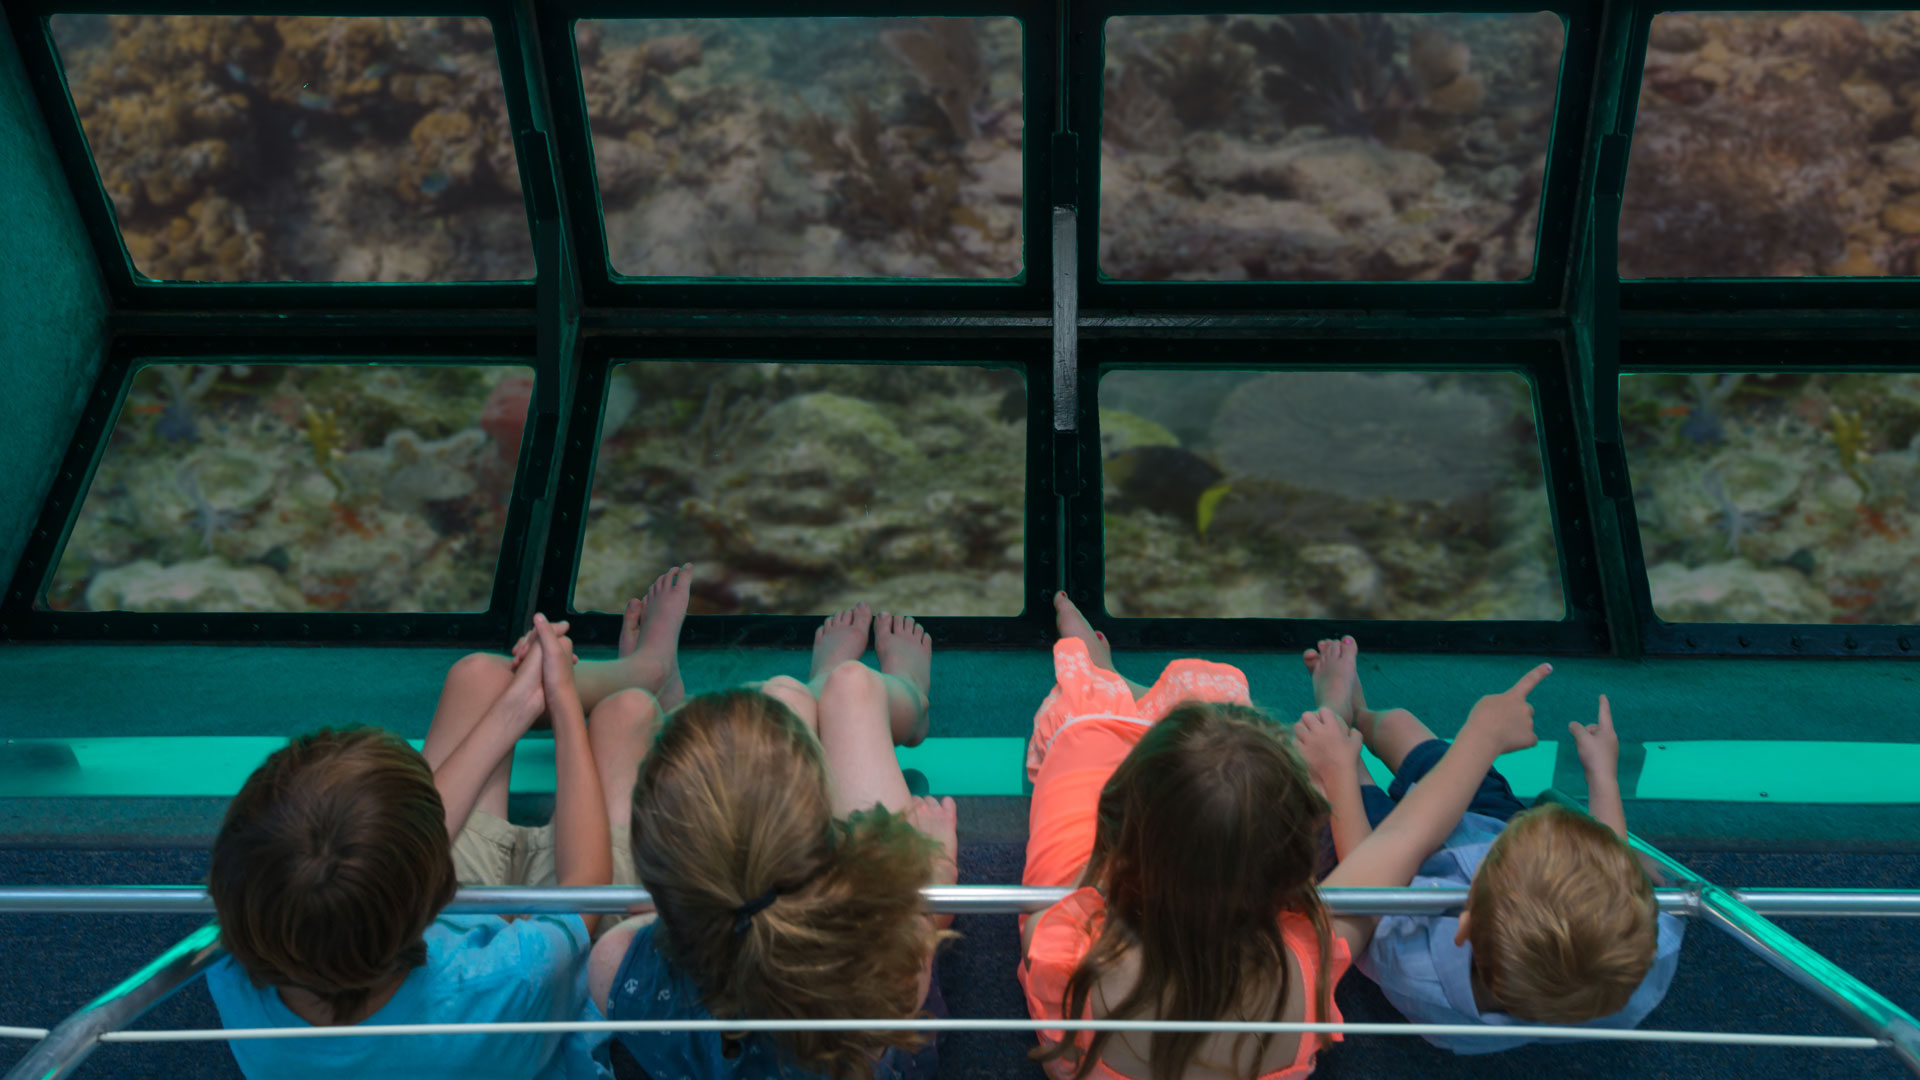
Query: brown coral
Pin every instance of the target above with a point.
(210, 242)
(1200, 73)
(946, 57)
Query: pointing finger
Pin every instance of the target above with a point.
(1530, 680)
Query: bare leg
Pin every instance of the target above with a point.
(649, 647)
(1390, 735)
(795, 695)
(472, 685)
(906, 664)
(620, 730)
(1072, 624)
(858, 739)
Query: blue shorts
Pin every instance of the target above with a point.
(1495, 799)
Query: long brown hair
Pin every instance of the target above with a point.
(332, 862)
(1208, 831)
(732, 806)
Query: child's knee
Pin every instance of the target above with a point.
(628, 714)
(853, 679)
(489, 671)
(795, 695)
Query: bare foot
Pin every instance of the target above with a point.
(650, 633)
(1072, 624)
(1319, 664)
(842, 637)
(905, 650)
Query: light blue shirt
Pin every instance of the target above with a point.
(479, 968)
(1430, 979)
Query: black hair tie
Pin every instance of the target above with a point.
(743, 915)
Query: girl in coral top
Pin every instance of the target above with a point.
(1189, 826)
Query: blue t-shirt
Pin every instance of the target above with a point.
(1430, 979)
(479, 968)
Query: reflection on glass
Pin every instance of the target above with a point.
(1779, 497)
(1775, 144)
(807, 488)
(274, 148)
(1350, 147)
(792, 147)
(1333, 494)
(234, 487)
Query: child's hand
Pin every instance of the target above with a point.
(526, 698)
(1506, 717)
(1599, 747)
(556, 659)
(525, 645)
(1330, 747)
(940, 819)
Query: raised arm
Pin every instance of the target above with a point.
(1499, 724)
(582, 846)
(1599, 751)
(464, 772)
(1332, 752)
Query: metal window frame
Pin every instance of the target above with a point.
(1575, 298)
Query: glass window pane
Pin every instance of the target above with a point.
(794, 147)
(803, 489)
(237, 487)
(1325, 494)
(1777, 497)
(275, 148)
(1775, 144)
(1348, 147)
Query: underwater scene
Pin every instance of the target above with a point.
(1776, 144)
(299, 487)
(806, 488)
(1341, 147)
(274, 148)
(1325, 494)
(1777, 497)
(794, 147)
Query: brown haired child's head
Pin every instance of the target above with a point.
(332, 862)
(732, 811)
(1561, 917)
(1208, 831)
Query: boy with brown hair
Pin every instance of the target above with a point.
(1560, 926)
(334, 862)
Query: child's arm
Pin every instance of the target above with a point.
(1599, 751)
(1499, 724)
(582, 845)
(1332, 751)
(465, 770)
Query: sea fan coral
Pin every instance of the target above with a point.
(1200, 73)
(946, 57)
(1333, 71)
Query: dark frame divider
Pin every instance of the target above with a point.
(1546, 365)
(1560, 212)
(128, 290)
(1033, 627)
(1749, 639)
(23, 615)
(603, 286)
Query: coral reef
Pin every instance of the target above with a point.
(1774, 145)
(1382, 147)
(248, 148)
(1796, 504)
(293, 488)
(722, 149)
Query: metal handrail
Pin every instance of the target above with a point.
(948, 900)
(67, 1045)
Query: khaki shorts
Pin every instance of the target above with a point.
(489, 851)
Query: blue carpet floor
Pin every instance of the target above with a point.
(54, 964)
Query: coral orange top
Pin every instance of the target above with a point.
(1085, 727)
